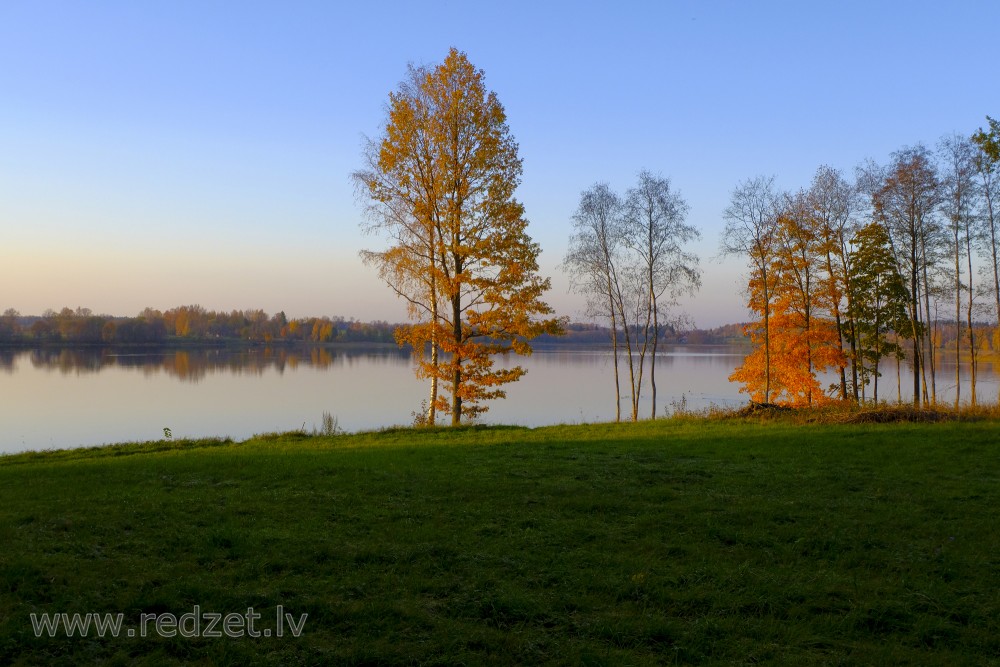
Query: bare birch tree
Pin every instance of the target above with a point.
(958, 189)
(656, 231)
(592, 263)
(629, 258)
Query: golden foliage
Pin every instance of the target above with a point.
(441, 184)
(797, 340)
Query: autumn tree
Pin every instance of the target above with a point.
(441, 187)
(802, 338)
(751, 231)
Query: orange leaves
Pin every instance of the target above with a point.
(440, 184)
(795, 340)
(792, 361)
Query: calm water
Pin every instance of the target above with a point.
(67, 398)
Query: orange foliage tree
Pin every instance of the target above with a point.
(802, 340)
(751, 231)
(440, 184)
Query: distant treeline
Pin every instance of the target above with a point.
(182, 324)
(580, 333)
(195, 324)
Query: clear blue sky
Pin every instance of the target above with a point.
(168, 153)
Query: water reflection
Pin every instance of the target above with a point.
(72, 397)
(195, 365)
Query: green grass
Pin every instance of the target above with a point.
(678, 541)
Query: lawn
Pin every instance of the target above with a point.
(685, 541)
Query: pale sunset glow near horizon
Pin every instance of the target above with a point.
(161, 154)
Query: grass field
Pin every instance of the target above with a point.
(683, 541)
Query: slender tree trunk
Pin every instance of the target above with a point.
(614, 353)
(656, 336)
(864, 390)
(973, 351)
(629, 355)
(864, 396)
(848, 295)
(931, 354)
(914, 318)
(993, 248)
(925, 343)
(840, 347)
(973, 354)
(767, 341)
(432, 408)
(993, 251)
(613, 286)
(878, 358)
(958, 321)
(899, 383)
(631, 376)
(854, 354)
(807, 308)
(456, 356)
(809, 351)
(840, 325)
(637, 393)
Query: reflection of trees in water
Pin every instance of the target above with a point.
(193, 365)
(7, 358)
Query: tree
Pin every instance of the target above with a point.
(958, 194)
(802, 340)
(593, 263)
(751, 230)
(654, 228)
(10, 327)
(986, 159)
(628, 257)
(904, 203)
(832, 203)
(441, 187)
(878, 306)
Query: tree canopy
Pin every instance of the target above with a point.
(439, 183)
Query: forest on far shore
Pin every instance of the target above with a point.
(194, 325)
(187, 325)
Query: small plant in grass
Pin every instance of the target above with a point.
(679, 406)
(330, 425)
(419, 417)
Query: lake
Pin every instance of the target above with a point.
(55, 398)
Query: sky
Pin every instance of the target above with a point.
(169, 153)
